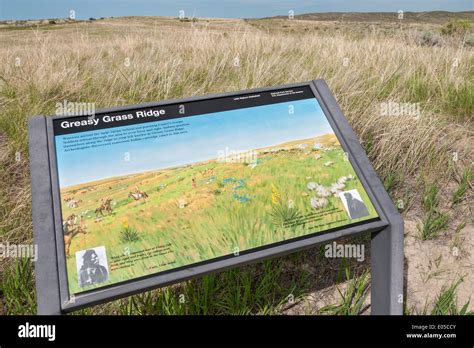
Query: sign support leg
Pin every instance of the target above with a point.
(387, 270)
(46, 267)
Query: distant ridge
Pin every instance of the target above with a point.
(438, 17)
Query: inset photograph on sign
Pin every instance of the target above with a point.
(92, 266)
(354, 204)
(157, 189)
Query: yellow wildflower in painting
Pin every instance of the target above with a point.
(276, 196)
(125, 223)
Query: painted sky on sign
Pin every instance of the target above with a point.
(207, 136)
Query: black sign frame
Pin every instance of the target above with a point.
(51, 278)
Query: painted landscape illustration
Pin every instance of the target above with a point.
(175, 216)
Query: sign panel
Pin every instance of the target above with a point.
(165, 188)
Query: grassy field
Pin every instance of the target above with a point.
(237, 207)
(424, 161)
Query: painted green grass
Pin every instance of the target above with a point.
(210, 225)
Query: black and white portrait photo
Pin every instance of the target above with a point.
(92, 267)
(353, 204)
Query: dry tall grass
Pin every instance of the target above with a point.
(135, 63)
(127, 61)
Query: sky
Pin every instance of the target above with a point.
(208, 136)
(84, 9)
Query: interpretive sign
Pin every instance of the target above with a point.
(137, 197)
